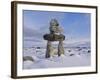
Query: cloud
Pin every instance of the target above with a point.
(36, 24)
(37, 27)
(77, 40)
(36, 34)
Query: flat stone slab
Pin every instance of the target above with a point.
(54, 37)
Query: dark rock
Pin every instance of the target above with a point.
(71, 55)
(89, 51)
(26, 58)
(54, 37)
(69, 50)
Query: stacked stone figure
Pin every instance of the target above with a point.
(54, 35)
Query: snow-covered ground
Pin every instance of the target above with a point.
(74, 56)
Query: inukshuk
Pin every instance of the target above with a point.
(54, 35)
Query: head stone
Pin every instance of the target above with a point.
(54, 22)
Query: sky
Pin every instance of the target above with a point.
(76, 26)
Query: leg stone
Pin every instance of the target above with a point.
(49, 49)
(60, 48)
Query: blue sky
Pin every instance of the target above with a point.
(36, 24)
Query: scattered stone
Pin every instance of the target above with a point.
(71, 54)
(69, 50)
(89, 51)
(26, 58)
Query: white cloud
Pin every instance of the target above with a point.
(78, 40)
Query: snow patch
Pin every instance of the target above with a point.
(72, 57)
